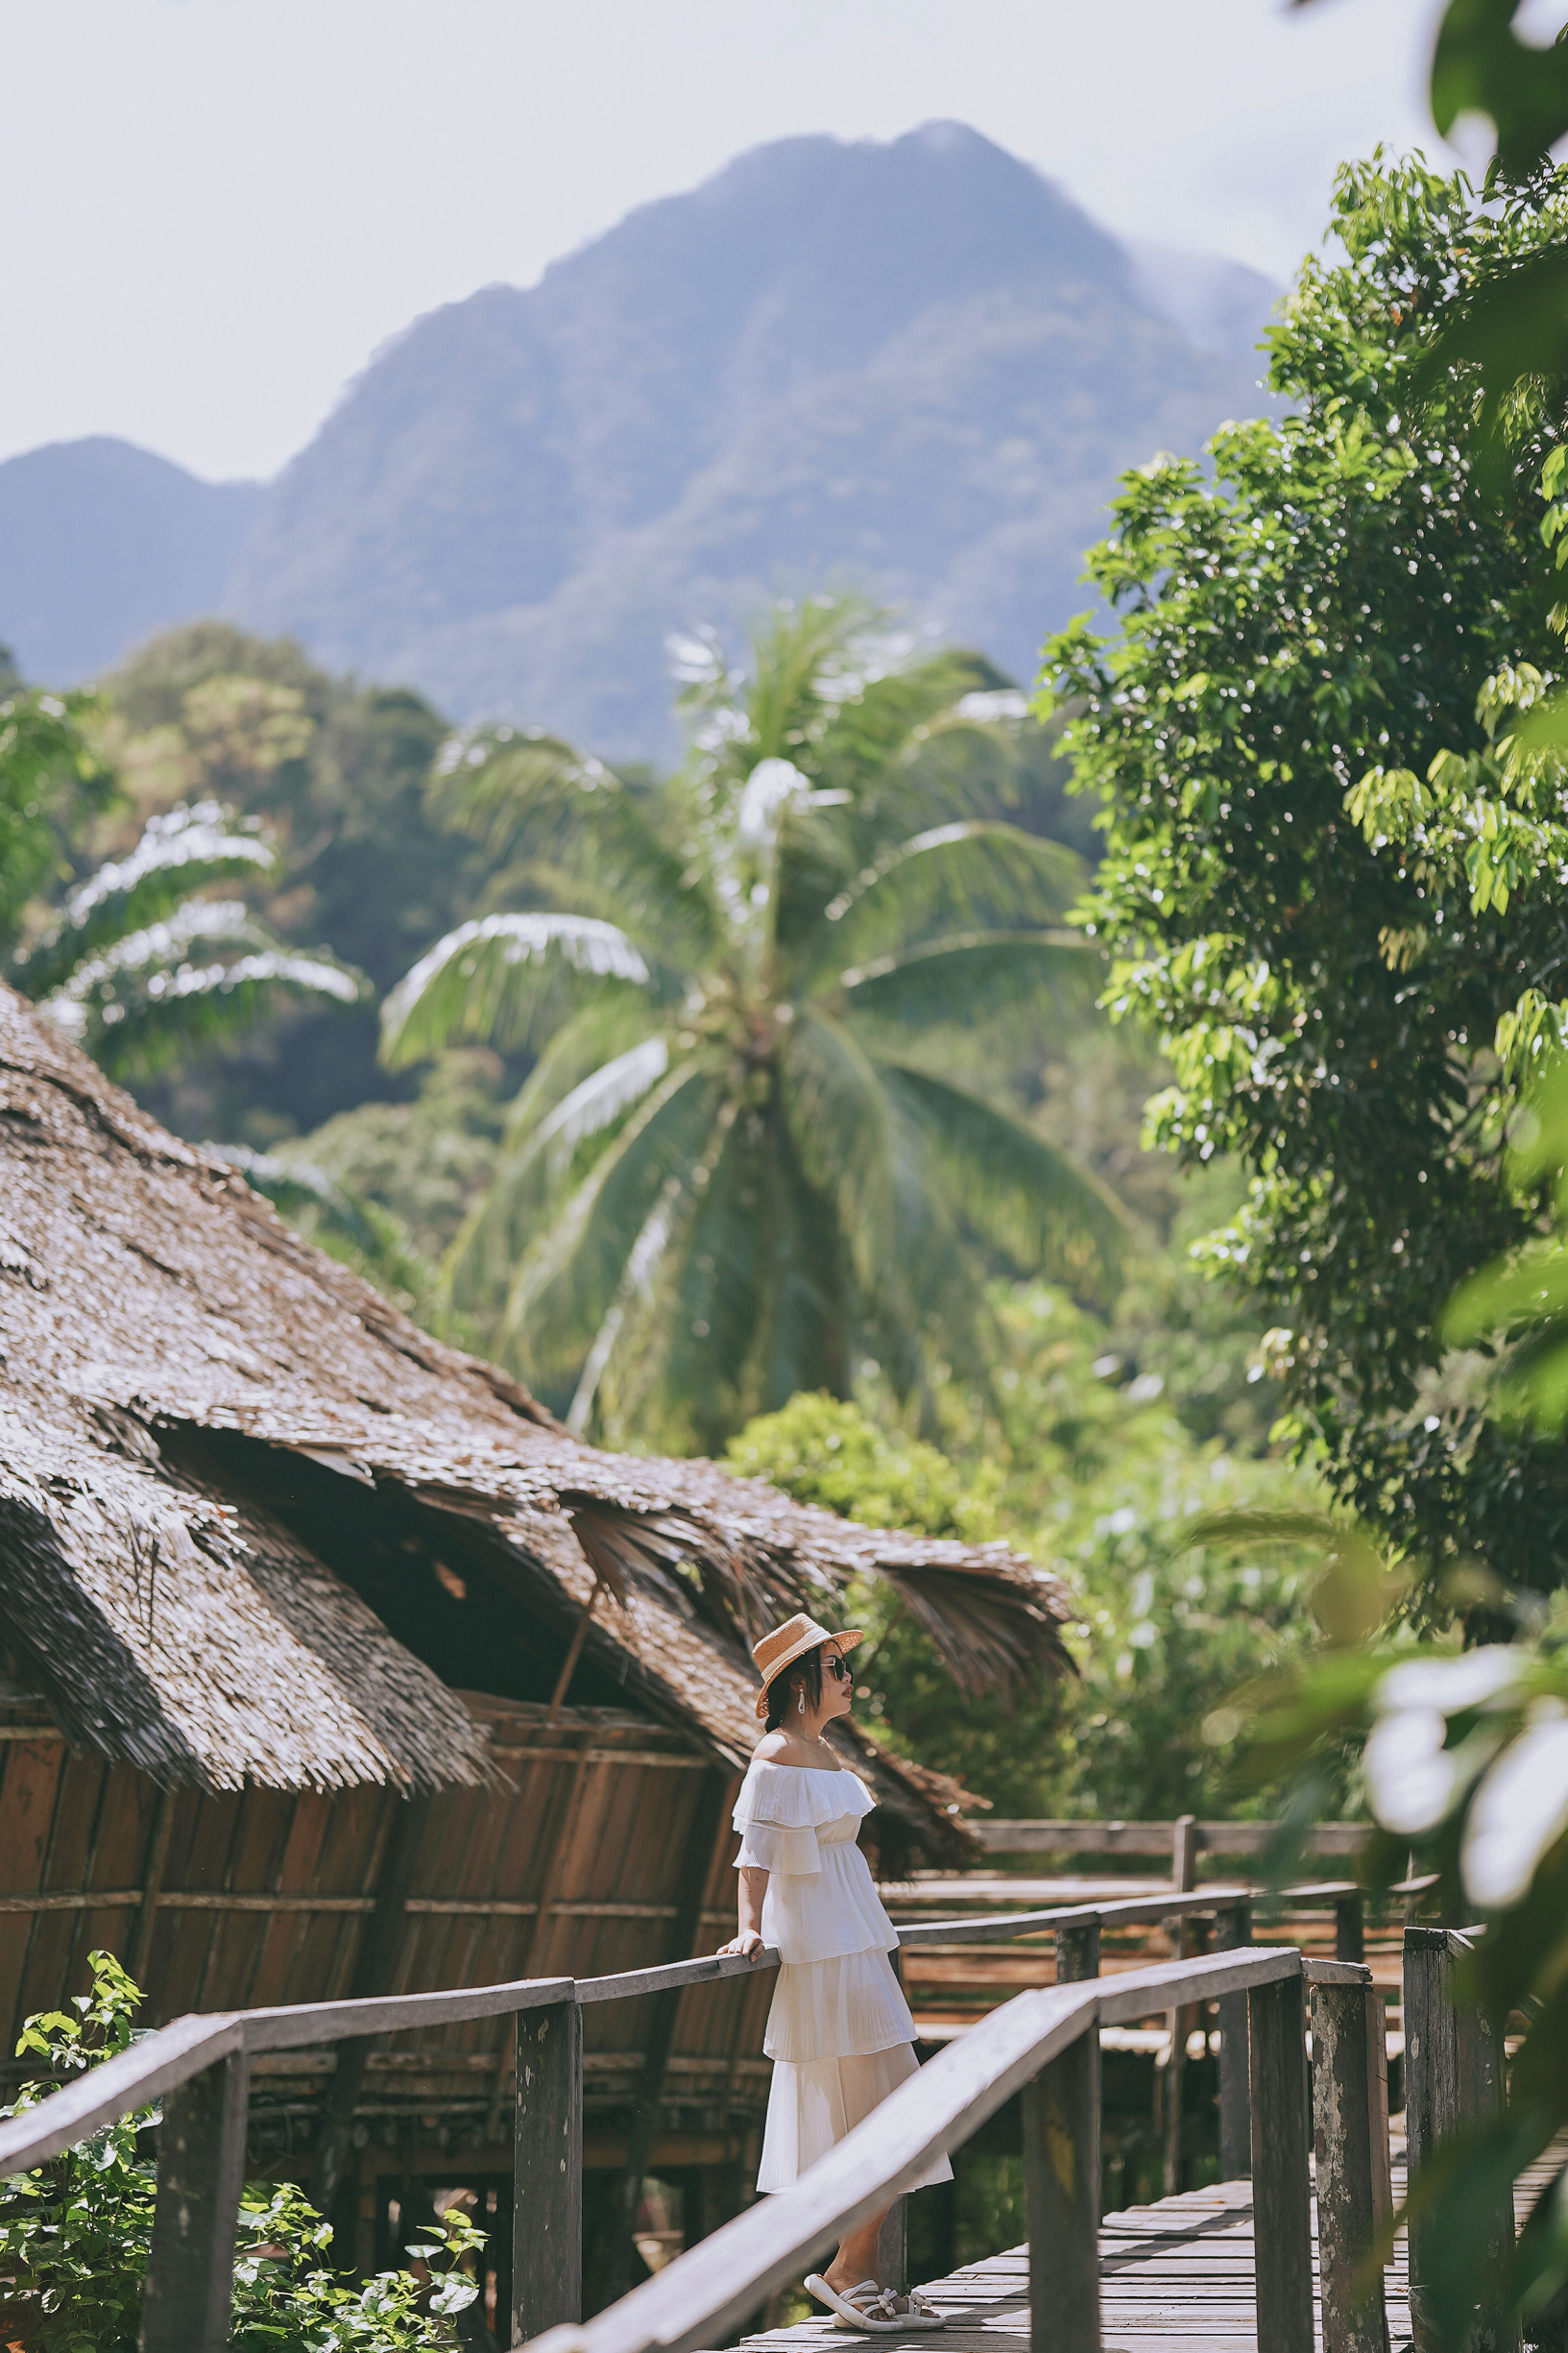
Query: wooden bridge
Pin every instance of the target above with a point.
(1267, 2258)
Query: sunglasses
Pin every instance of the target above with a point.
(837, 1668)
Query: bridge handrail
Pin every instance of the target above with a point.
(160, 2062)
(698, 2297)
(1233, 1839)
(199, 2067)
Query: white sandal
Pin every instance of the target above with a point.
(858, 2308)
(911, 2310)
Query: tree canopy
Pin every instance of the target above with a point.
(757, 1142)
(1333, 853)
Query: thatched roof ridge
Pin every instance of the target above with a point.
(145, 1289)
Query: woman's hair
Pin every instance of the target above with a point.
(805, 1670)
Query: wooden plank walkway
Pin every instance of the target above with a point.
(1175, 2277)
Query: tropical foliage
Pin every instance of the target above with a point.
(76, 2234)
(138, 965)
(51, 785)
(757, 1147)
(1334, 845)
(142, 969)
(335, 770)
(1099, 1442)
(1506, 320)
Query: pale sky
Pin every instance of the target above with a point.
(217, 209)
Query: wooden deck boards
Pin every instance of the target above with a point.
(1175, 2277)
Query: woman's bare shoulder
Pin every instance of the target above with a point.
(782, 1748)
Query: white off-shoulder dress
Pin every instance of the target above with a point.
(839, 2033)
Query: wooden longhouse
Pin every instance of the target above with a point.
(333, 1665)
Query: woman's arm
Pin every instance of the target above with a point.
(749, 1895)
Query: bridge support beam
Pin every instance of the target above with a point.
(1280, 2178)
(547, 2202)
(201, 2175)
(1454, 2076)
(1077, 1957)
(1232, 1932)
(1343, 2126)
(1061, 2200)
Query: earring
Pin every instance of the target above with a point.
(802, 1702)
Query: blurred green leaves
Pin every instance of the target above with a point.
(1480, 66)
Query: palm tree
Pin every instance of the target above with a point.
(737, 1161)
(138, 967)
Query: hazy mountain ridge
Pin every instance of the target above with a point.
(917, 366)
(101, 543)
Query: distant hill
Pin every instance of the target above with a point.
(916, 366)
(101, 543)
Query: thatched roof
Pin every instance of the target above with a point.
(166, 1343)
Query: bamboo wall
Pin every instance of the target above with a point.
(611, 1851)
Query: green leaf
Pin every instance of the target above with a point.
(205, 973)
(535, 796)
(1480, 67)
(504, 977)
(1011, 1185)
(967, 876)
(965, 978)
(1513, 325)
(576, 1271)
(180, 851)
(840, 1123)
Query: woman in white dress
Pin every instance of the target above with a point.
(839, 2033)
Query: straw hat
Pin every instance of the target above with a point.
(791, 1641)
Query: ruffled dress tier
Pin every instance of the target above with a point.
(839, 2033)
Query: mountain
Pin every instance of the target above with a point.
(101, 543)
(915, 366)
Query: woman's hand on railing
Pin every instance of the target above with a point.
(747, 1943)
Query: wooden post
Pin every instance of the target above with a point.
(201, 2174)
(1281, 2180)
(893, 2247)
(1232, 1932)
(557, 1847)
(375, 1971)
(1377, 2103)
(1349, 1927)
(153, 1867)
(1061, 2107)
(709, 1828)
(1429, 2075)
(1346, 2196)
(547, 2196)
(1453, 2076)
(1183, 1879)
(1077, 1957)
(1078, 1952)
(893, 2238)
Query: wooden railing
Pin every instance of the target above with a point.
(1045, 2045)
(1236, 1841)
(199, 2067)
(1454, 2076)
